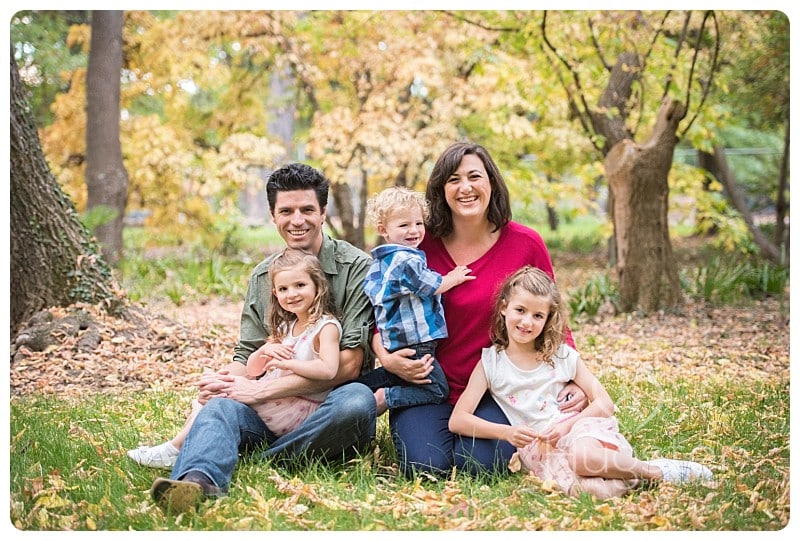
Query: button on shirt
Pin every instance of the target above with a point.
(401, 288)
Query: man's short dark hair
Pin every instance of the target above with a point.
(297, 176)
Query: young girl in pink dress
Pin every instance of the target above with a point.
(304, 340)
(525, 369)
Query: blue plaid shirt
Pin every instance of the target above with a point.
(401, 288)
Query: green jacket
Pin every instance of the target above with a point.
(346, 267)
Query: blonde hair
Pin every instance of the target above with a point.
(278, 318)
(537, 283)
(380, 207)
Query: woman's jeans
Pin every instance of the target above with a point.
(402, 394)
(343, 425)
(424, 442)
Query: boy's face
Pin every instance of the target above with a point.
(403, 226)
(299, 219)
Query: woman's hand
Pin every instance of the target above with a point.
(572, 399)
(400, 364)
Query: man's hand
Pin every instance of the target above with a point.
(210, 385)
(240, 388)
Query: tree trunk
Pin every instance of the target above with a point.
(53, 261)
(351, 231)
(637, 176)
(718, 167)
(106, 177)
(781, 205)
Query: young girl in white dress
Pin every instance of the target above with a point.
(526, 367)
(304, 340)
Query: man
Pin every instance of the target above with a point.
(345, 421)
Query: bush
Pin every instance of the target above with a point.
(725, 282)
(598, 290)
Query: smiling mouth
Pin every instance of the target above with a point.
(297, 232)
(468, 199)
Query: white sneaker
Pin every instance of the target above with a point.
(681, 471)
(158, 456)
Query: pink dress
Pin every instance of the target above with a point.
(283, 415)
(528, 397)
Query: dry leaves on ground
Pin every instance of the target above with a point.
(164, 346)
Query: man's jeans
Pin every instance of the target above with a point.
(402, 394)
(343, 424)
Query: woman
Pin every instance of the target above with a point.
(469, 224)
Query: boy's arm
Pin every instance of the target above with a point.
(455, 277)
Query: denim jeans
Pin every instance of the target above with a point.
(343, 425)
(424, 442)
(402, 394)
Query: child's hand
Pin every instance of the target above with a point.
(460, 274)
(273, 364)
(555, 433)
(257, 361)
(520, 436)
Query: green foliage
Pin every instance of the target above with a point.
(68, 471)
(97, 216)
(585, 234)
(193, 276)
(597, 291)
(721, 280)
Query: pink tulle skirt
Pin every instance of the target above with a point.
(550, 463)
(283, 415)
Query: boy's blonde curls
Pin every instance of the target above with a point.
(381, 206)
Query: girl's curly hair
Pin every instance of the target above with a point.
(278, 318)
(538, 283)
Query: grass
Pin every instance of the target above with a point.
(69, 471)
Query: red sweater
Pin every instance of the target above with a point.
(468, 307)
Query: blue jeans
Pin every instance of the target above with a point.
(402, 394)
(424, 443)
(343, 425)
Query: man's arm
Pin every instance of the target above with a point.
(252, 392)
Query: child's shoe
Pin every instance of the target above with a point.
(158, 456)
(681, 471)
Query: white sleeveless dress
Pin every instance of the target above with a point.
(283, 415)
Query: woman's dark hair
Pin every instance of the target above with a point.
(440, 220)
(297, 176)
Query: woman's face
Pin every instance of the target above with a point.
(468, 190)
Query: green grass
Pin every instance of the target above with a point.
(68, 470)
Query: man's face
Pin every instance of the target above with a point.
(299, 219)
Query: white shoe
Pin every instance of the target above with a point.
(158, 456)
(681, 471)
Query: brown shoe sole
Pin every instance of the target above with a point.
(176, 496)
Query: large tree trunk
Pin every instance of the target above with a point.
(637, 176)
(53, 262)
(106, 177)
